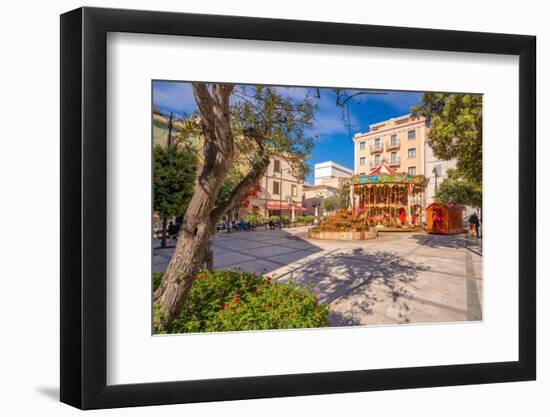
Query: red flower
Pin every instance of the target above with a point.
(236, 300)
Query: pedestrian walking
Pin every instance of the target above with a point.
(474, 221)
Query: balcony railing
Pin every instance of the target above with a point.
(394, 162)
(374, 164)
(393, 145)
(376, 148)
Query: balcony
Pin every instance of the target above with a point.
(394, 162)
(393, 145)
(374, 164)
(376, 148)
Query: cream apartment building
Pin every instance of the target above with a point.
(278, 193)
(398, 142)
(402, 144)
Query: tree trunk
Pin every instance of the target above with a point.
(201, 216)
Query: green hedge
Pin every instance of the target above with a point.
(308, 219)
(235, 300)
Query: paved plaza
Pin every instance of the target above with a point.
(395, 278)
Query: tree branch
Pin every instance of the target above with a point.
(239, 193)
(204, 101)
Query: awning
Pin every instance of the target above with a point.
(275, 206)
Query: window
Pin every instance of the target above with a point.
(276, 187)
(393, 140)
(412, 171)
(411, 134)
(276, 166)
(438, 170)
(362, 161)
(294, 190)
(361, 145)
(393, 157)
(377, 143)
(412, 153)
(377, 159)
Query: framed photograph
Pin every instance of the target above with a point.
(257, 208)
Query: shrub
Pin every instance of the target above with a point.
(157, 278)
(274, 219)
(285, 220)
(253, 219)
(236, 300)
(309, 219)
(300, 219)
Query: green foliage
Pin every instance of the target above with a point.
(456, 127)
(343, 196)
(279, 125)
(305, 219)
(459, 190)
(157, 278)
(232, 178)
(235, 300)
(285, 220)
(251, 218)
(309, 219)
(174, 179)
(331, 203)
(274, 219)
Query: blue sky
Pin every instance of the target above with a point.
(333, 139)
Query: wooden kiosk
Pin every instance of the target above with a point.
(443, 218)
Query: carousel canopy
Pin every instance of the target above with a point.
(383, 174)
(382, 169)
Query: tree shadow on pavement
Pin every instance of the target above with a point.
(460, 241)
(358, 281)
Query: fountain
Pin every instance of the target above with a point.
(343, 225)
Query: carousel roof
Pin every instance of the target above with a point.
(383, 174)
(382, 169)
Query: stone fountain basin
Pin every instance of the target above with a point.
(316, 233)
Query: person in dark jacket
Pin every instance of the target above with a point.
(475, 221)
(173, 232)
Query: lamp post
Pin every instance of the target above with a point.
(170, 127)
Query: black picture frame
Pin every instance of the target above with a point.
(84, 207)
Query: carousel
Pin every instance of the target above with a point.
(388, 200)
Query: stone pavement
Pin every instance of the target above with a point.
(396, 278)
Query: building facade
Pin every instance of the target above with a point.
(329, 170)
(398, 142)
(313, 197)
(279, 192)
(402, 144)
(436, 172)
(330, 177)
